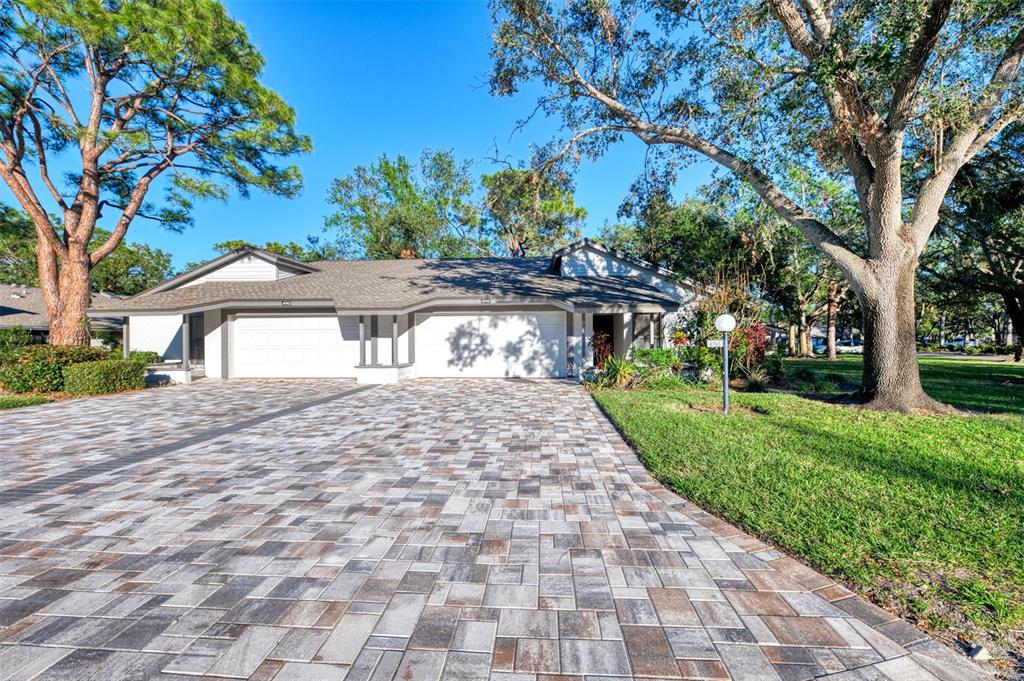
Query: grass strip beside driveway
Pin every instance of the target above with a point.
(923, 513)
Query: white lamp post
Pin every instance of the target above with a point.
(725, 323)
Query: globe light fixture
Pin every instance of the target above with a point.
(725, 322)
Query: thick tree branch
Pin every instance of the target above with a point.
(916, 60)
(968, 141)
(796, 30)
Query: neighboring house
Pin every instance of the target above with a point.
(255, 314)
(24, 306)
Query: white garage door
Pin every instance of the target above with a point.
(491, 345)
(291, 347)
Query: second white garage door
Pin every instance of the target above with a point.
(528, 345)
(291, 347)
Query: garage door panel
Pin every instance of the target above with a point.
(291, 347)
(528, 345)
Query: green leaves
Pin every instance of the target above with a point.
(529, 213)
(180, 89)
(392, 209)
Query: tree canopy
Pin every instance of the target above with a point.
(130, 269)
(434, 209)
(529, 213)
(894, 98)
(395, 209)
(133, 91)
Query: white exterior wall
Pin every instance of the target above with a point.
(157, 333)
(248, 268)
(575, 345)
(404, 339)
(511, 344)
(213, 347)
(588, 262)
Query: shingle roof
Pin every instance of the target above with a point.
(400, 285)
(24, 306)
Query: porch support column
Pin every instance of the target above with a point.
(362, 340)
(587, 335)
(622, 334)
(186, 361)
(126, 338)
(394, 340)
(412, 337)
(374, 332)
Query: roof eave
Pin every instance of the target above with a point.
(225, 259)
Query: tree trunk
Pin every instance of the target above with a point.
(833, 312)
(792, 340)
(942, 329)
(891, 379)
(805, 337)
(68, 322)
(1015, 311)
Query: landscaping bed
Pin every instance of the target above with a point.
(35, 374)
(923, 514)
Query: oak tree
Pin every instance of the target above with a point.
(895, 97)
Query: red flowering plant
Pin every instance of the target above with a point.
(602, 344)
(749, 343)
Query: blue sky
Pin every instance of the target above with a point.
(384, 77)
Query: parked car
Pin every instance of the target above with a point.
(819, 345)
(849, 346)
(960, 343)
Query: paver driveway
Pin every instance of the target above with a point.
(457, 529)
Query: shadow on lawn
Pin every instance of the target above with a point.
(996, 389)
(966, 479)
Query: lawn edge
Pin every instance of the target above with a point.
(720, 520)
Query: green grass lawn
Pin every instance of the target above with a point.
(972, 384)
(15, 401)
(923, 513)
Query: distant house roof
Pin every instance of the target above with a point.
(24, 306)
(399, 286)
(621, 255)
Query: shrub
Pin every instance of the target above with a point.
(706, 364)
(602, 344)
(15, 401)
(617, 372)
(749, 343)
(775, 366)
(656, 357)
(12, 340)
(104, 376)
(144, 357)
(40, 368)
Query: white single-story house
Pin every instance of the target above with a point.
(255, 314)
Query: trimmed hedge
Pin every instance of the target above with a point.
(105, 376)
(145, 356)
(40, 368)
(16, 401)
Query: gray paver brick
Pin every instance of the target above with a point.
(456, 529)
